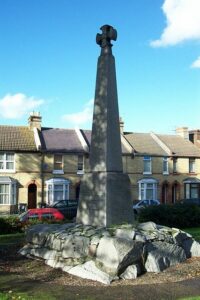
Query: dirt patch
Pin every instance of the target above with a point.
(22, 274)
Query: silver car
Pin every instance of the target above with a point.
(143, 204)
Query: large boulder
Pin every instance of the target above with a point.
(161, 255)
(89, 270)
(116, 254)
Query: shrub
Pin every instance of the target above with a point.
(177, 215)
(10, 224)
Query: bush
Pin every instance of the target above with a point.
(10, 224)
(177, 215)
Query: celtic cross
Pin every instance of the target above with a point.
(104, 39)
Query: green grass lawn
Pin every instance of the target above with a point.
(195, 232)
(12, 238)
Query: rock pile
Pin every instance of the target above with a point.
(107, 254)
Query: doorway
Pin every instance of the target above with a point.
(32, 195)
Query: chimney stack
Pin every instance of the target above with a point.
(183, 132)
(35, 120)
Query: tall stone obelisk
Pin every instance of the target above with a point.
(105, 196)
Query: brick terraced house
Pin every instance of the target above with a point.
(41, 165)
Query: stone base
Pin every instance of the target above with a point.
(105, 199)
(106, 254)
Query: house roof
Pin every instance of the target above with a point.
(14, 138)
(87, 136)
(63, 140)
(179, 146)
(157, 144)
(143, 143)
(21, 138)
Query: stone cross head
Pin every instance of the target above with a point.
(108, 34)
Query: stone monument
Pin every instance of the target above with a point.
(105, 196)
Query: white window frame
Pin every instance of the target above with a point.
(165, 164)
(51, 183)
(175, 162)
(80, 162)
(11, 191)
(191, 165)
(143, 187)
(147, 158)
(58, 171)
(5, 161)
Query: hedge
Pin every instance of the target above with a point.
(176, 215)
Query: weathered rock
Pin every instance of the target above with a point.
(75, 246)
(191, 247)
(55, 263)
(131, 272)
(89, 271)
(125, 233)
(69, 247)
(44, 253)
(116, 254)
(147, 226)
(161, 255)
(54, 242)
(179, 236)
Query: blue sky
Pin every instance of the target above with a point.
(48, 59)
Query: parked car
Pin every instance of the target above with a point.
(41, 214)
(67, 207)
(144, 203)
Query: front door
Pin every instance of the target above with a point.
(32, 195)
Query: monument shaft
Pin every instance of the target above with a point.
(105, 196)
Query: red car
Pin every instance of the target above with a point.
(41, 214)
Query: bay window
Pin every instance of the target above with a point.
(147, 189)
(192, 188)
(57, 189)
(7, 191)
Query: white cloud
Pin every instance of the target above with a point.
(196, 63)
(183, 22)
(81, 117)
(18, 105)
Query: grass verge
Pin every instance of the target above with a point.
(11, 238)
(195, 232)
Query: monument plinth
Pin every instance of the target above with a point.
(105, 196)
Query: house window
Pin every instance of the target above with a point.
(192, 188)
(80, 166)
(58, 164)
(57, 189)
(7, 191)
(174, 165)
(165, 165)
(191, 165)
(147, 189)
(147, 165)
(7, 162)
